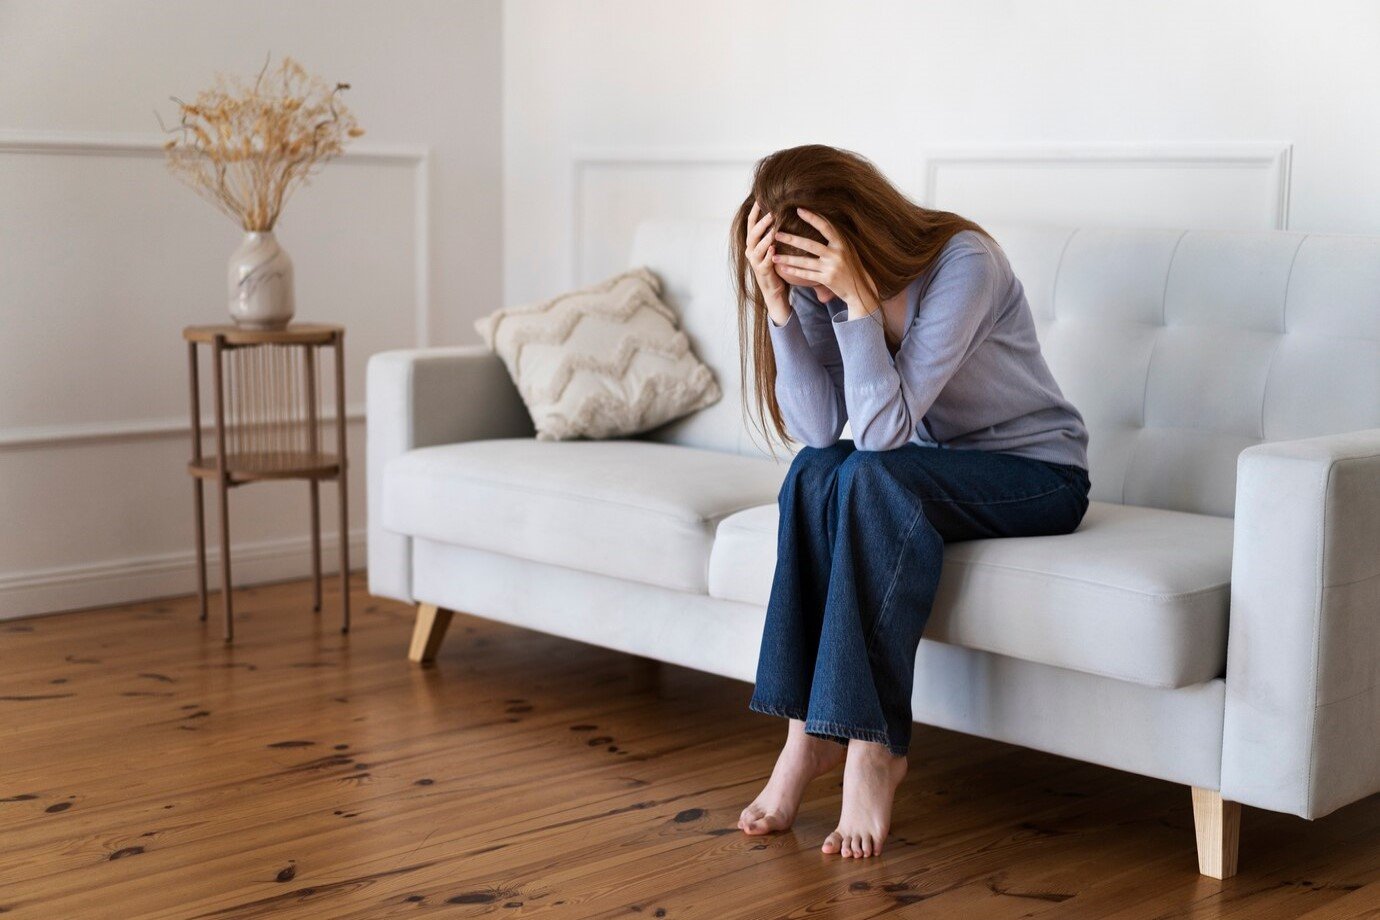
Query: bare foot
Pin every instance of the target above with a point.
(804, 758)
(870, 778)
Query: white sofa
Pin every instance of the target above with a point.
(1215, 621)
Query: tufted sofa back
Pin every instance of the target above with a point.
(1180, 348)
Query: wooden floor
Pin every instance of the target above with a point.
(148, 771)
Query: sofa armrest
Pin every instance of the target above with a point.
(1303, 647)
(419, 398)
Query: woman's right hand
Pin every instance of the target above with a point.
(760, 249)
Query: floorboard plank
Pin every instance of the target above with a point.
(302, 773)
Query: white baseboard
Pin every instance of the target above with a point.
(122, 581)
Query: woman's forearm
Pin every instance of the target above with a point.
(809, 399)
(873, 390)
(887, 396)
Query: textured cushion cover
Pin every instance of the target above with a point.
(603, 361)
(633, 509)
(1135, 593)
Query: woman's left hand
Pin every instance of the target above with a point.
(829, 266)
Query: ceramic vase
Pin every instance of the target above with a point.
(260, 280)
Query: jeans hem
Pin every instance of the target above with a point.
(772, 709)
(837, 731)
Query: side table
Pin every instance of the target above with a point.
(268, 399)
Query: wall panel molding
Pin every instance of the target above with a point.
(585, 161)
(150, 146)
(1273, 159)
(83, 433)
(116, 581)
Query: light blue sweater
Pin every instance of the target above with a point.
(968, 374)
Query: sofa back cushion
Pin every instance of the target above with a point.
(1180, 348)
(691, 257)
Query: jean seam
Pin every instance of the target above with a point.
(771, 709)
(876, 736)
(895, 576)
(822, 726)
(999, 501)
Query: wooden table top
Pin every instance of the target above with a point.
(292, 334)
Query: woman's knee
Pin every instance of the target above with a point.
(813, 468)
(871, 474)
(830, 457)
(866, 465)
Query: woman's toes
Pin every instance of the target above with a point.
(833, 843)
(758, 821)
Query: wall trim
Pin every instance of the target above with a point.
(142, 578)
(150, 146)
(83, 433)
(1274, 156)
(583, 159)
(135, 579)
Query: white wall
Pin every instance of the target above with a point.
(1194, 113)
(514, 144)
(104, 258)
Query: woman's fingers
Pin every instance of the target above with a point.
(760, 247)
(757, 230)
(819, 223)
(808, 274)
(809, 266)
(766, 242)
(802, 242)
(802, 261)
(829, 266)
(758, 238)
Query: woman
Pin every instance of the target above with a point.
(857, 305)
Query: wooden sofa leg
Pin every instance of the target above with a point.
(428, 633)
(1218, 825)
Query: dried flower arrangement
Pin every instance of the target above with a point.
(246, 147)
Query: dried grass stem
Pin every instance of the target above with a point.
(247, 147)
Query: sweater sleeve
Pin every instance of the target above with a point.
(809, 371)
(886, 398)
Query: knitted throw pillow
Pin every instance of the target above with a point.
(603, 361)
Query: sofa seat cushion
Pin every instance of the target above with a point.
(634, 509)
(1139, 594)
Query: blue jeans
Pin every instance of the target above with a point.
(859, 550)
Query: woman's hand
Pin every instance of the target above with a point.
(760, 250)
(828, 267)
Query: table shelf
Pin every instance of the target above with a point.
(268, 404)
(273, 465)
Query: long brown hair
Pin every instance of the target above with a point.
(891, 237)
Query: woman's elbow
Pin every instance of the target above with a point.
(819, 441)
(817, 435)
(820, 437)
(874, 438)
